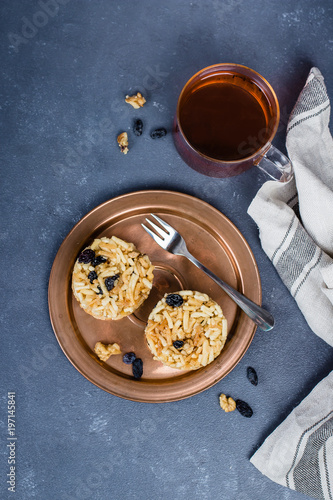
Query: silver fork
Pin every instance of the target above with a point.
(169, 239)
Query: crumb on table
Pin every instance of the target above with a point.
(137, 101)
(122, 140)
(227, 404)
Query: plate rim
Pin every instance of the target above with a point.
(150, 192)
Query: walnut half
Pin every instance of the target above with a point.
(137, 101)
(122, 140)
(227, 404)
(104, 351)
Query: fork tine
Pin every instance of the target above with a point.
(158, 240)
(163, 223)
(157, 229)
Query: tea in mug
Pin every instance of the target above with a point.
(226, 118)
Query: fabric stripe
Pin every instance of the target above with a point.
(307, 118)
(308, 271)
(289, 202)
(297, 212)
(293, 260)
(327, 474)
(322, 473)
(306, 473)
(294, 204)
(300, 444)
(284, 239)
(313, 95)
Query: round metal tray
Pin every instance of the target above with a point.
(210, 237)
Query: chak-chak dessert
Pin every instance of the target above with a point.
(111, 278)
(186, 330)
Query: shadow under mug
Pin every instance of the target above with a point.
(232, 96)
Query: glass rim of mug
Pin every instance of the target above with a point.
(231, 66)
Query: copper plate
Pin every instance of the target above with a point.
(211, 237)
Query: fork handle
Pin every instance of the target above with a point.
(262, 318)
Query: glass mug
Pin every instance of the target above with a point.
(227, 116)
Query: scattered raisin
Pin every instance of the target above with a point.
(174, 300)
(178, 344)
(110, 281)
(158, 133)
(137, 368)
(92, 276)
(138, 127)
(252, 375)
(128, 358)
(86, 256)
(98, 260)
(243, 408)
(100, 291)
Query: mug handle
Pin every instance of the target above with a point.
(276, 165)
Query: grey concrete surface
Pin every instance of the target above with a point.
(65, 68)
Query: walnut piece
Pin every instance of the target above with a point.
(137, 101)
(122, 140)
(227, 404)
(104, 351)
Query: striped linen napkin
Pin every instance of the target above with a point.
(295, 218)
(299, 453)
(295, 221)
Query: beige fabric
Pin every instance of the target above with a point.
(295, 221)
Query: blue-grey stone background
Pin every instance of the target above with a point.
(66, 66)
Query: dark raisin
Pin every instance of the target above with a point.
(138, 127)
(128, 358)
(178, 344)
(137, 368)
(243, 408)
(158, 133)
(98, 260)
(174, 300)
(92, 276)
(100, 291)
(252, 375)
(86, 256)
(110, 281)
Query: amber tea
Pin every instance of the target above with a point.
(225, 119)
(227, 116)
